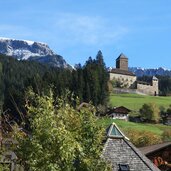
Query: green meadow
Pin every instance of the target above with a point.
(140, 134)
(135, 101)
(124, 126)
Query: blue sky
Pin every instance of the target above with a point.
(76, 29)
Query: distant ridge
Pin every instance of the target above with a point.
(150, 72)
(31, 50)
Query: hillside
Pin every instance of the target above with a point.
(134, 101)
(124, 126)
(141, 134)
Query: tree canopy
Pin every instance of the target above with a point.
(62, 138)
(150, 112)
(88, 82)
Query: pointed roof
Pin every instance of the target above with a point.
(119, 151)
(154, 78)
(122, 110)
(121, 56)
(119, 110)
(114, 132)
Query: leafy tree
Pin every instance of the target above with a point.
(165, 113)
(150, 112)
(62, 138)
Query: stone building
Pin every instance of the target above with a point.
(122, 154)
(121, 73)
(128, 79)
(150, 89)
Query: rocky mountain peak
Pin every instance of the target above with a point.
(31, 50)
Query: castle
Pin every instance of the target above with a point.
(128, 79)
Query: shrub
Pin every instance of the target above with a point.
(150, 113)
(143, 138)
(166, 135)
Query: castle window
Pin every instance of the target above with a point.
(123, 167)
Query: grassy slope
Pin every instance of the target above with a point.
(134, 101)
(123, 125)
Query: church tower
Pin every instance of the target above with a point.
(122, 62)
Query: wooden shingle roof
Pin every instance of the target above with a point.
(153, 148)
(119, 110)
(120, 151)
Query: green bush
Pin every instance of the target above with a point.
(143, 138)
(166, 135)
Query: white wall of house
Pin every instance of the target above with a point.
(119, 116)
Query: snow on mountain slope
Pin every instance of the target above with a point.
(30, 50)
(23, 49)
(150, 72)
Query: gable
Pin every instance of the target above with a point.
(114, 132)
(119, 110)
(122, 110)
(118, 151)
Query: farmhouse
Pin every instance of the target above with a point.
(122, 154)
(128, 80)
(119, 113)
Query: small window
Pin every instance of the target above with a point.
(123, 167)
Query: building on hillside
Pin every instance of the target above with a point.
(128, 79)
(150, 89)
(121, 73)
(119, 113)
(122, 154)
(159, 154)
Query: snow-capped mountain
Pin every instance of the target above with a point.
(150, 72)
(30, 50)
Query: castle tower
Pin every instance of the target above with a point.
(155, 84)
(122, 62)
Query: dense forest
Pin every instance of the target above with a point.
(88, 82)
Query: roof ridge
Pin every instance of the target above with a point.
(122, 55)
(146, 161)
